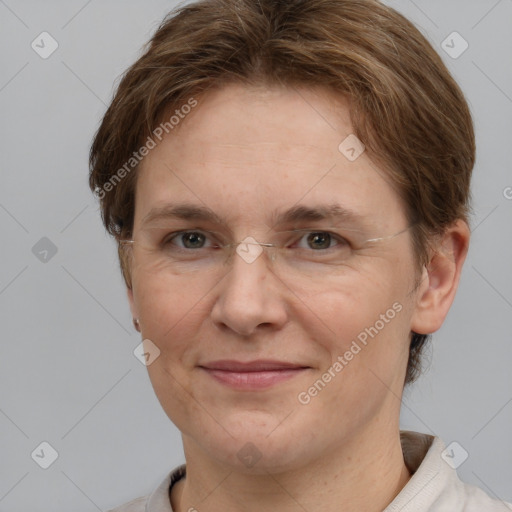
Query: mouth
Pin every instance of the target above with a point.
(252, 375)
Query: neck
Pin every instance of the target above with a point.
(365, 473)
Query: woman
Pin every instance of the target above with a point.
(288, 183)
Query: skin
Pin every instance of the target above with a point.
(244, 151)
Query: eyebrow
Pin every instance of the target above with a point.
(298, 213)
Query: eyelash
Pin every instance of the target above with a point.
(341, 241)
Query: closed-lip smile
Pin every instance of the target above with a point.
(252, 375)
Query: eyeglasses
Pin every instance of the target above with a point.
(297, 255)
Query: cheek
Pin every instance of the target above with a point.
(171, 312)
(164, 303)
(362, 327)
(346, 309)
(170, 315)
(362, 336)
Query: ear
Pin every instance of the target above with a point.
(440, 279)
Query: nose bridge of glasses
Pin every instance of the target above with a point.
(249, 249)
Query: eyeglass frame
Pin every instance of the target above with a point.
(265, 244)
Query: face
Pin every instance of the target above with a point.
(297, 356)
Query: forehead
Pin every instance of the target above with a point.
(246, 152)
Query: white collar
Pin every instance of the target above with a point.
(433, 487)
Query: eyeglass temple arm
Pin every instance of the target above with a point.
(389, 236)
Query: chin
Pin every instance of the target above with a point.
(258, 444)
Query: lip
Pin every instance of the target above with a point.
(252, 375)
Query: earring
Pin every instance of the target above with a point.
(136, 324)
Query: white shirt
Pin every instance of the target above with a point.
(433, 487)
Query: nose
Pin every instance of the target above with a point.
(250, 296)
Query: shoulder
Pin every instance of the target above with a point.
(434, 485)
(476, 500)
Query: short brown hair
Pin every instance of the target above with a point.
(405, 106)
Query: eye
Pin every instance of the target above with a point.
(321, 240)
(188, 239)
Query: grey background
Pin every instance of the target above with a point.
(68, 375)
